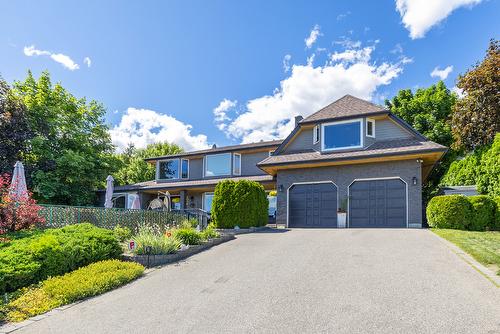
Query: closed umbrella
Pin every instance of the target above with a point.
(136, 204)
(18, 187)
(108, 203)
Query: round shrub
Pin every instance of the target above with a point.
(54, 252)
(188, 236)
(483, 213)
(450, 211)
(239, 203)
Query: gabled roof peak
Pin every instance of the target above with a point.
(345, 107)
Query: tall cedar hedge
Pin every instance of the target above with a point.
(239, 203)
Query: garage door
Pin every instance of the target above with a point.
(313, 205)
(377, 203)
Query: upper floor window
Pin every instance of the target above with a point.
(173, 169)
(218, 164)
(316, 131)
(370, 127)
(237, 164)
(342, 135)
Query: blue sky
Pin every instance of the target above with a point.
(200, 72)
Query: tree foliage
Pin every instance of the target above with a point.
(428, 110)
(14, 128)
(70, 153)
(134, 169)
(476, 116)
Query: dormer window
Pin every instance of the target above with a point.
(316, 131)
(370, 127)
(342, 135)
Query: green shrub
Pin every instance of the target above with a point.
(483, 216)
(53, 252)
(122, 233)
(239, 203)
(188, 236)
(209, 233)
(189, 223)
(497, 213)
(159, 243)
(450, 211)
(88, 281)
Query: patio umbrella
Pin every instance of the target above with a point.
(136, 204)
(18, 187)
(108, 203)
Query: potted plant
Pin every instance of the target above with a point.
(342, 214)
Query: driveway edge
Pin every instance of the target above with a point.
(483, 270)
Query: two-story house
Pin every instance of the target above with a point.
(351, 155)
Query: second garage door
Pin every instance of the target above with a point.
(377, 203)
(313, 205)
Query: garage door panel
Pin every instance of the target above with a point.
(313, 205)
(377, 203)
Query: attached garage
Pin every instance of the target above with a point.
(312, 205)
(378, 203)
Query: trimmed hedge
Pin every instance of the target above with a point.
(475, 213)
(449, 211)
(54, 252)
(239, 203)
(85, 282)
(483, 213)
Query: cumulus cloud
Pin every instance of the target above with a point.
(142, 127)
(419, 16)
(309, 88)
(313, 36)
(60, 58)
(87, 61)
(286, 63)
(220, 112)
(441, 74)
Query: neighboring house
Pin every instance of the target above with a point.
(351, 155)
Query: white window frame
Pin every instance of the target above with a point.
(361, 136)
(203, 200)
(316, 134)
(205, 164)
(372, 121)
(180, 170)
(234, 164)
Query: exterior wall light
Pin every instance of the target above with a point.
(414, 180)
(280, 188)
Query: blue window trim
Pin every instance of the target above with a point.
(361, 136)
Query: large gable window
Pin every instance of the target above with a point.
(218, 164)
(342, 135)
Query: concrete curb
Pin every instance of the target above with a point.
(158, 260)
(483, 270)
(244, 230)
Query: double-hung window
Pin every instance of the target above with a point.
(370, 127)
(342, 135)
(316, 136)
(217, 164)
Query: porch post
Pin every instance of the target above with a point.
(183, 199)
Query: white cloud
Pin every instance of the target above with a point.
(87, 61)
(220, 112)
(343, 16)
(419, 16)
(397, 49)
(313, 36)
(60, 58)
(309, 88)
(442, 74)
(286, 63)
(458, 91)
(142, 127)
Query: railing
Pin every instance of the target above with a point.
(61, 215)
(202, 216)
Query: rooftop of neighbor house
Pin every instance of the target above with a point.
(346, 107)
(222, 149)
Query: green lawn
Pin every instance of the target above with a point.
(483, 246)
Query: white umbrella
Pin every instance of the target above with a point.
(108, 203)
(18, 187)
(136, 204)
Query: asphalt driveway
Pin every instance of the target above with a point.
(308, 281)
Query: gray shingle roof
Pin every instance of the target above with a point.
(261, 144)
(381, 148)
(347, 106)
(188, 183)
